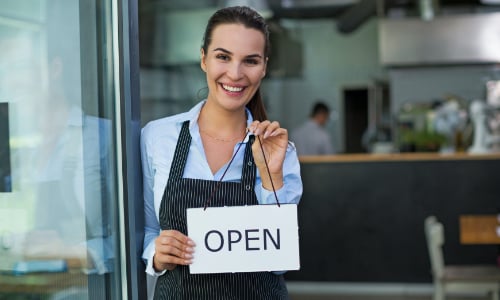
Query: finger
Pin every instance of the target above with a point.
(253, 126)
(178, 236)
(166, 260)
(173, 251)
(271, 128)
(257, 128)
(172, 243)
(169, 251)
(280, 132)
(178, 261)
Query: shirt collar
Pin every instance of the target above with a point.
(193, 114)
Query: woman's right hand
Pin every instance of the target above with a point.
(172, 248)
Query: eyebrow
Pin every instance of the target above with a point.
(229, 52)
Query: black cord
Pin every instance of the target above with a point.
(207, 202)
(224, 174)
(268, 172)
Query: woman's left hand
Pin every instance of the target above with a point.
(274, 141)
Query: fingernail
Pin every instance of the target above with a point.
(189, 249)
(187, 255)
(188, 261)
(191, 243)
(266, 134)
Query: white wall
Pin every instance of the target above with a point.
(418, 85)
(331, 61)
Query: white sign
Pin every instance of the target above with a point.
(244, 238)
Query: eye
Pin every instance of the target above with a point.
(251, 61)
(223, 57)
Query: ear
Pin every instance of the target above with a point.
(265, 67)
(202, 60)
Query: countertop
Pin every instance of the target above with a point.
(418, 156)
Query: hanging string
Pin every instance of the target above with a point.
(268, 172)
(224, 174)
(207, 202)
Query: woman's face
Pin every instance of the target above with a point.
(234, 65)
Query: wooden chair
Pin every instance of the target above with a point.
(457, 279)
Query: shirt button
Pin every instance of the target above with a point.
(249, 163)
(247, 187)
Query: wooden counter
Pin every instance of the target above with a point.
(421, 156)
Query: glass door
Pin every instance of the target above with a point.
(61, 229)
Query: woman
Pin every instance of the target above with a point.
(186, 155)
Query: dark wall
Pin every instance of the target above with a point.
(363, 221)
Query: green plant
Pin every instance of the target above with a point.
(423, 140)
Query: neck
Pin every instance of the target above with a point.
(223, 122)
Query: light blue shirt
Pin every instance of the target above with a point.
(312, 139)
(158, 142)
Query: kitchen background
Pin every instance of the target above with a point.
(399, 75)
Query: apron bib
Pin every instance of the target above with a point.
(182, 193)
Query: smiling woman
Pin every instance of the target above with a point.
(187, 156)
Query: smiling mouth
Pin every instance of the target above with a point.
(232, 89)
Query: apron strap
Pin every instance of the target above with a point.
(249, 171)
(181, 153)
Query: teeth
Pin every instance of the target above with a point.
(232, 88)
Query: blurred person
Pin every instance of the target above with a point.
(311, 138)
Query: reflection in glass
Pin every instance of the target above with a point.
(57, 229)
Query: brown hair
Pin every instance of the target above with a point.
(250, 19)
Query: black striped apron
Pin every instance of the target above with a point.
(182, 193)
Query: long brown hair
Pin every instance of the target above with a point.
(250, 19)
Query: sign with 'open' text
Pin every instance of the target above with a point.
(244, 238)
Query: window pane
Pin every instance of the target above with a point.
(58, 199)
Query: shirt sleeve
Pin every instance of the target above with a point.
(151, 227)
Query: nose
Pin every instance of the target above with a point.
(235, 71)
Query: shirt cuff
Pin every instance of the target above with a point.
(151, 271)
(269, 198)
(148, 256)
